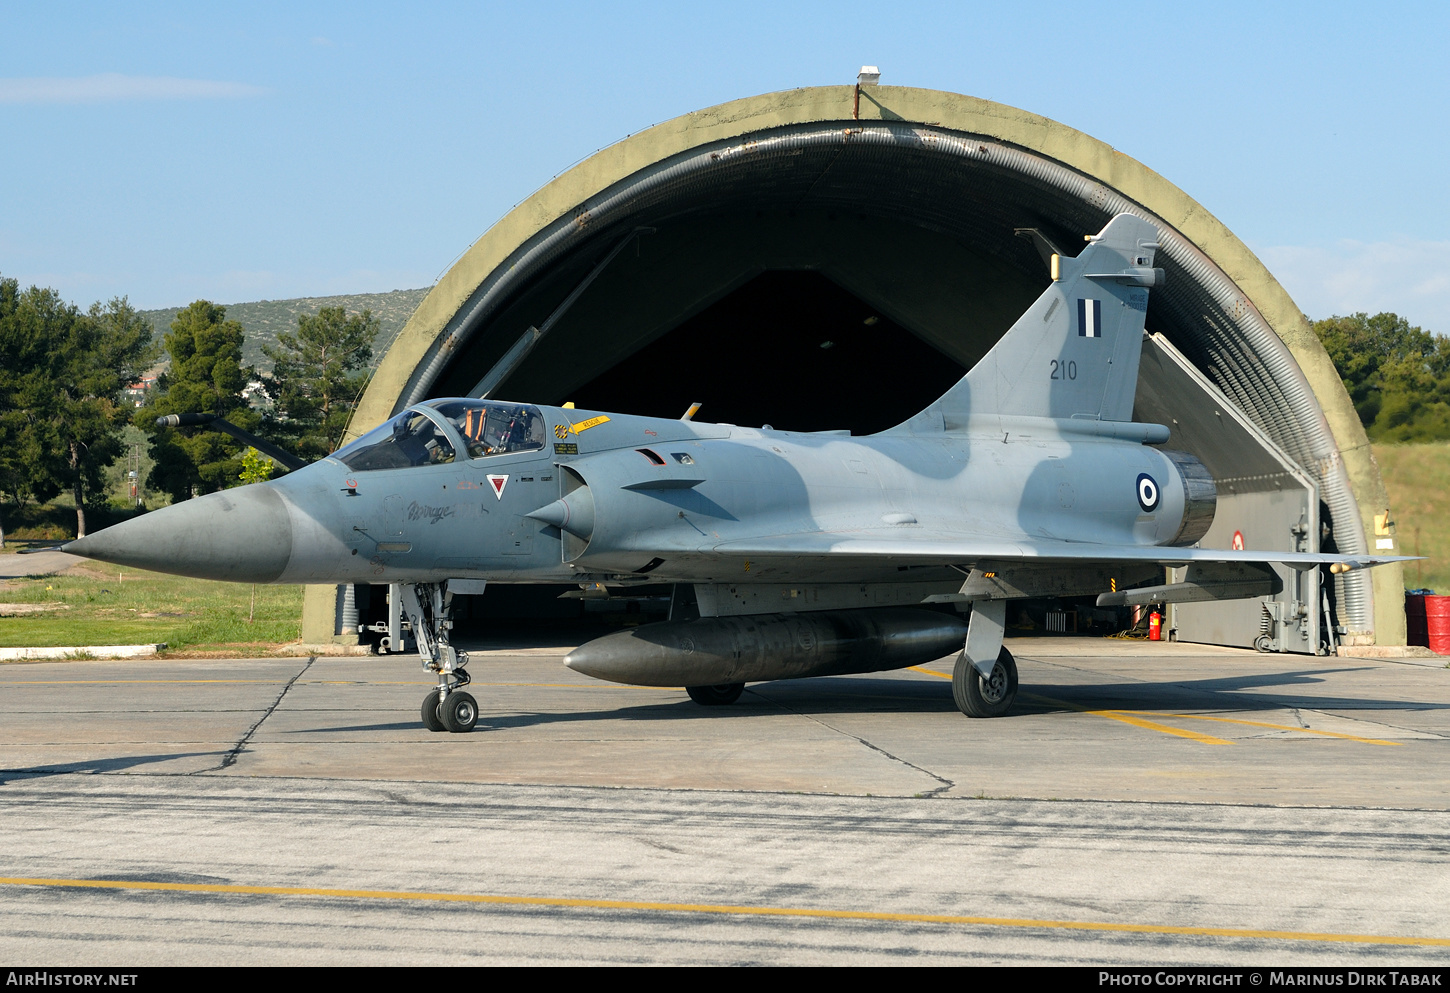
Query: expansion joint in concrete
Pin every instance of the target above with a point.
(230, 757)
(946, 784)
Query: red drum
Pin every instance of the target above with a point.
(1437, 624)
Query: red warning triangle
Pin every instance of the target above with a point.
(498, 483)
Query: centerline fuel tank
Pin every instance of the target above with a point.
(758, 647)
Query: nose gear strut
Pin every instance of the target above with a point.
(447, 708)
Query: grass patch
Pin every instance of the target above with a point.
(1418, 480)
(97, 604)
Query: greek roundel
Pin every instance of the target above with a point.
(1147, 492)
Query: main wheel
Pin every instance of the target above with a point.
(717, 695)
(989, 697)
(431, 720)
(459, 712)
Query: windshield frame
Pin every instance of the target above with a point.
(460, 450)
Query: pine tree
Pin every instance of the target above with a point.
(206, 377)
(318, 375)
(62, 373)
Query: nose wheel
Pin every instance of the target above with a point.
(431, 720)
(458, 712)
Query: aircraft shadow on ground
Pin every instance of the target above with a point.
(857, 695)
(412, 725)
(827, 696)
(754, 704)
(99, 765)
(1219, 693)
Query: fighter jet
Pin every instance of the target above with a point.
(792, 554)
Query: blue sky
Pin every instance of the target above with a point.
(247, 151)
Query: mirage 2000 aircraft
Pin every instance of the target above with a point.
(801, 554)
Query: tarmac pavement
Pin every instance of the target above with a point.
(16, 566)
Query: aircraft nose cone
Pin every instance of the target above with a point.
(241, 536)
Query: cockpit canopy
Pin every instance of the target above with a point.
(417, 436)
(489, 427)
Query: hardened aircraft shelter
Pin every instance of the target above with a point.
(835, 257)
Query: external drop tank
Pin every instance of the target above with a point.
(759, 647)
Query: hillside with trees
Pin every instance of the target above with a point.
(74, 437)
(1397, 375)
(263, 320)
(62, 376)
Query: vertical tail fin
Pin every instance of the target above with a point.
(1075, 352)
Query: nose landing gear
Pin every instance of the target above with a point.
(446, 708)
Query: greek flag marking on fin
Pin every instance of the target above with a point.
(1089, 318)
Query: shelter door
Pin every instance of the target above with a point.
(1265, 501)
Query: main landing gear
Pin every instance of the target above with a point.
(715, 696)
(446, 708)
(984, 681)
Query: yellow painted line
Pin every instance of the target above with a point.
(1281, 727)
(565, 686)
(590, 686)
(728, 909)
(599, 685)
(128, 682)
(930, 672)
(318, 682)
(1128, 718)
(1112, 715)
